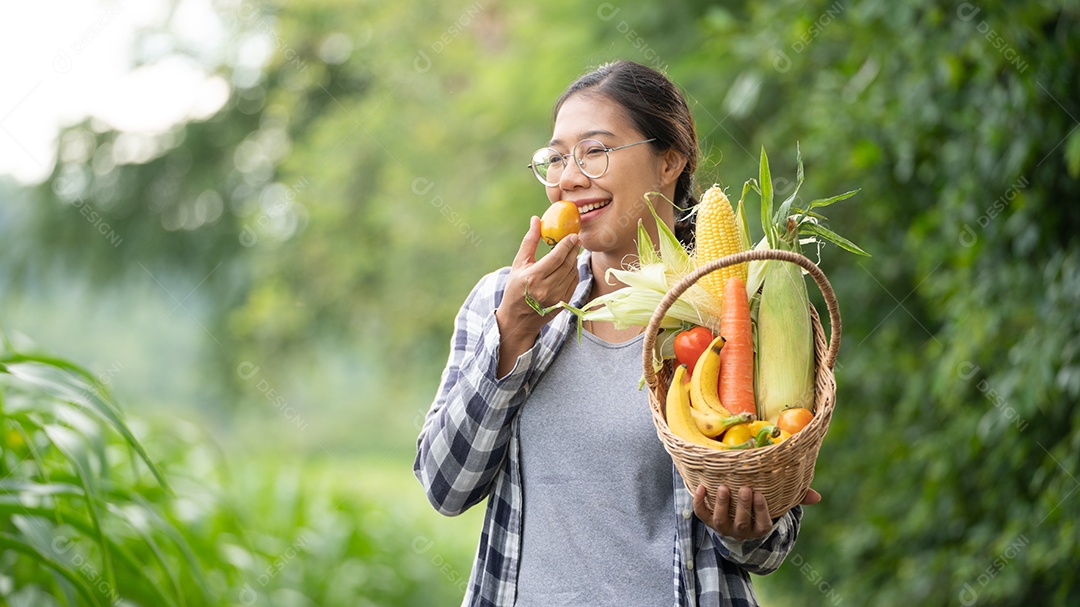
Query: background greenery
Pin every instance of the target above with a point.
(277, 310)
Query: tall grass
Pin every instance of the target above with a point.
(77, 519)
(99, 510)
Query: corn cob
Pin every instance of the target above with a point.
(785, 355)
(717, 235)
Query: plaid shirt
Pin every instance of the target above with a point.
(468, 450)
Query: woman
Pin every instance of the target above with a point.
(584, 506)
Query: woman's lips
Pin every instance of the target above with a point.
(589, 206)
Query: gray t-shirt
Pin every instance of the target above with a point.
(597, 483)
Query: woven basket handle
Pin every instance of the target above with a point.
(762, 254)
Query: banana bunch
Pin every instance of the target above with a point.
(695, 414)
(681, 415)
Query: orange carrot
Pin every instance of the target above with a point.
(737, 357)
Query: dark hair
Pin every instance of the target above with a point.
(658, 110)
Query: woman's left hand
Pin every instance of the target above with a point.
(752, 519)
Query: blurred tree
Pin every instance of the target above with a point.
(947, 474)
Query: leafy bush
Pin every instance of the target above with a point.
(78, 523)
(88, 518)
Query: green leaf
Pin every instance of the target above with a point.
(755, 270)
(741, 221)
(16, 544)
(14, 486)
(765, 183)
(672, 252)
(646, 249)
(785, 207)
(535, 304)
(170, 531)
(89, 392)
(32, 521)
(799, 164)
(826, 234)
(824, 202)
(65, 441)
(803, 214)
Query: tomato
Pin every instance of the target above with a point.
(690, 344)
(794, 419)
(560, 220)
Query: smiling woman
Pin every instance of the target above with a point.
(583, 502)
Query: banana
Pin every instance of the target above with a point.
(712, 424)
(679, 419)
(705, 381)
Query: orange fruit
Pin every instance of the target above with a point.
(560, 220)
(794, 419)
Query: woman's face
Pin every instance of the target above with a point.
(612, 204)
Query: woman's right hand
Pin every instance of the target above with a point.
(551, 279)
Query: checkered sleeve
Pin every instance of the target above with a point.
(465, 436)
(764, 555)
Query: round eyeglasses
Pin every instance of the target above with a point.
(590, 155)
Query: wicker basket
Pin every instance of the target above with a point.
(782, 472)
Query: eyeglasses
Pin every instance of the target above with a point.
(590, 155)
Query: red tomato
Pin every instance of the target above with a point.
(690, 344)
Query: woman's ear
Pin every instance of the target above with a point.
(672, 164)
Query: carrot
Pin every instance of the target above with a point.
(737, 357)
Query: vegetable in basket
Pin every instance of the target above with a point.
(718, 233)
(689, 346)
(681, 421)
(737, 357)
(704, 382)
(784, 366)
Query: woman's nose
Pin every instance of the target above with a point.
(572, 176)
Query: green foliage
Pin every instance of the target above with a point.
(947, 475)
(75, 520)
(86, 517)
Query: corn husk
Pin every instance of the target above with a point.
(659, 267)
(784, 365)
